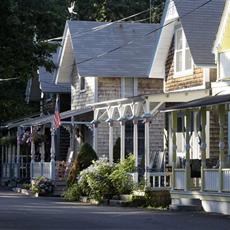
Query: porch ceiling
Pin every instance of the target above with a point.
(202, 102)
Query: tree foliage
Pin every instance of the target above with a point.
(25, 26)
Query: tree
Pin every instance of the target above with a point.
(25, 26)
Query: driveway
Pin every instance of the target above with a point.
(22, 212)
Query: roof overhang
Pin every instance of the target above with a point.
(65, 59)
(202, 102)
(165, 35)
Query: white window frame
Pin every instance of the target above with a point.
(123, 87)
(184, 48)
(82, 89)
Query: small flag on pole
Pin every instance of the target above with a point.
(57, 117)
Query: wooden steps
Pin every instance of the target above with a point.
(59, 187)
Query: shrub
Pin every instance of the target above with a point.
(84, 159)
(42, 186)
(157, 198)
(120, 179)
(73, 193)
(95, 181)
(86, 156)
(72, 173)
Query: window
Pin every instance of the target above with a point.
(82, 83)
(183, 58)
(128, 87)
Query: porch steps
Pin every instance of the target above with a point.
(185, 208)
(186, 205)
(59, 187)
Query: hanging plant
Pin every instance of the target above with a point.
(8, 140)
(38, 137)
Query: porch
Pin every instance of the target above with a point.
(211, 186)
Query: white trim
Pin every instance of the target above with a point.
(184, 72)
(64, 71)
(207, 134)
(95, 89)
(206, 75)
(135, 90)
(222, 27)
(164, 38)
(187, 89)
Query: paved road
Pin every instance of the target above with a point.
(22, 212)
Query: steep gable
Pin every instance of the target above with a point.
(200, 26)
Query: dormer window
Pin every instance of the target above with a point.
(183, 60)
(82, 83)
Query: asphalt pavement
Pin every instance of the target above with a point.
(23, 212)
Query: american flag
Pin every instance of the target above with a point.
(57, 117)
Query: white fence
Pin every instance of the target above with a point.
(179, 179)
(211, 179)
(41, 169)
(226, 180)
(160, 180)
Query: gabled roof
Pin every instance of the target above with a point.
(47, 79)
(133, 60)
(200, 27)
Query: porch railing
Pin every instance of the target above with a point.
(211, 179)
(41, 169)
(159, 180)
(179, 179)
(9, 170)
(226, 180)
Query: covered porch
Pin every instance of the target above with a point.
(36, 144)
(205, 178)
(137, 112)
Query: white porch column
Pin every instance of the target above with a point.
(18, 153)
(147, 118)
(95, 135)
(122, 124)
(203, 146)
(110, 141)
(221, 110)
(3, 166)
(9, 152)
(32, 150)
(187, 148)
(52, 153)
(135, 148)
(13, 161)
(174, 147)
(42, 151)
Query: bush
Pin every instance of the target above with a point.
(84, 159)
(120, 179)
(72, 175)
(73, 193)
(157, 198)
(86, 156)
(42, 186)
(95, 181)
